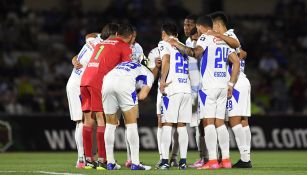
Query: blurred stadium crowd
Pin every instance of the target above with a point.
(37, 47)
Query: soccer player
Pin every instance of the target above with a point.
(137, 56)
(105, 57)
(190, 31)
(117, 95)
(214, 53)
(154, 64)
(176, 88)
(238, 106)
(73, 93)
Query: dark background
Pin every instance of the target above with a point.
(39, 38)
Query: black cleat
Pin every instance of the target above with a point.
(90, 165)
(182, 166)
(241, 164)
(101, 166)
(173, 162)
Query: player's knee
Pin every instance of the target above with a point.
(244, 121)
(219, 122)
(233, 121)
(181, 125)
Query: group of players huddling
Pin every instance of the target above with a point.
(201, 83)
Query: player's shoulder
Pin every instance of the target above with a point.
(163, 45)
(205, 38)
(154, 53)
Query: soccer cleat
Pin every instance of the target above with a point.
(211, 164)
(225, 163)
(198, 163)
(90, 165)
(157, 164)
(101, 166)
(113, 166)
(128, 163)
(140, 167)
(173, 162)
(241, 164)
(163, 166)
(80, 164)
(182, 166)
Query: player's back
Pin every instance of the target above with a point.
(134, 71)
(178, 73)
(105, 57)
(231, 34)
(213, 63)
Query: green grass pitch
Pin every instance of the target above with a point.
(264, 162)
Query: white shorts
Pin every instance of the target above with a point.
(159, 107)
(195, 110)
(177, 108)
(240, 102)
(116, 96)
(212, 103)
(74, 100)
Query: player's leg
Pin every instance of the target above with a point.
(74, 103)
(221, 129)
(170, 113)
(159, 111)
(128, 161)
(184, 117)
(110, 107)
(87, 131)
(79, 144)
(207, 114)
(131, 116)
(159, 137)
(111, 124)
(175, 148)
(100, 130)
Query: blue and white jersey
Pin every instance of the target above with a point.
(231, 34)
(140, 75)
(178, 73)
(213, 68)
(153, 55)
(193, 68)
(137, 52)
(84, 57)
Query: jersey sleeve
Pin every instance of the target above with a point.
(203, 41)
(164, 49)
(83, 52)
(145, 78)
(137, 52)
(152, 56)
(126, 53)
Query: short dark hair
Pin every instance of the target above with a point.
(193, 31)
(125, 30)
(191, 17)
(170, 28)
(108, 30)
(205, 21)
(219, 15)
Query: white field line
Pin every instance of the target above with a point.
(40, 172)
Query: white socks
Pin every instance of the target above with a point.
(241, 141)
(166, 141)
(127, 145)
(211, 141)
(133, 140)
(159, 136)
(109, 137)
(223, 138)
(183, 140)
(79, 140)
(248, 137)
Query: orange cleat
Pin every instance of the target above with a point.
(210, 165)
(226, 163)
